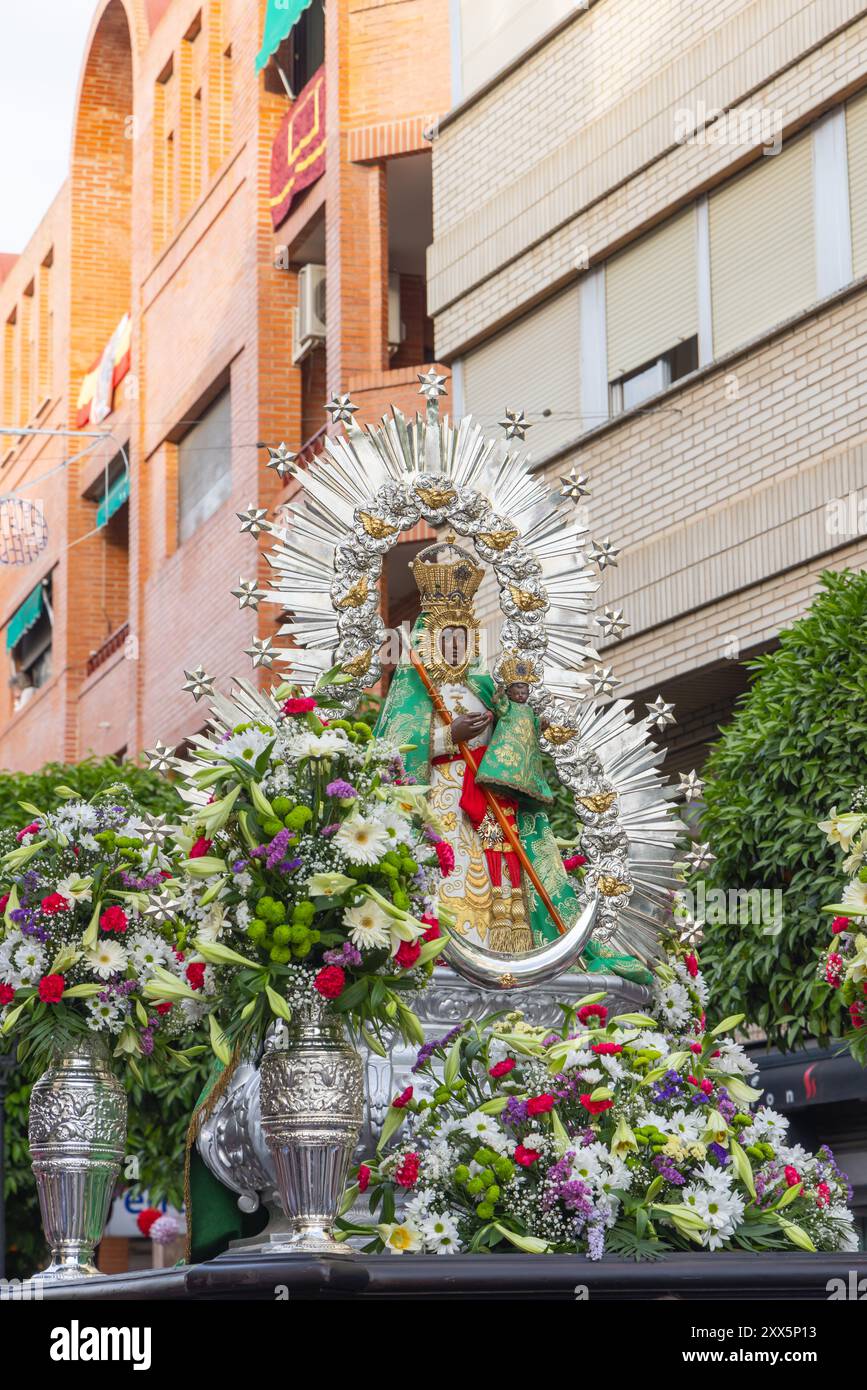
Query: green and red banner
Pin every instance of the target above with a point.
(298, 153)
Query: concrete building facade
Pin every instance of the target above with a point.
(650, 233)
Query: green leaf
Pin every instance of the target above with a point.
(278, 1004)
(220, 1047)
(394, 1118)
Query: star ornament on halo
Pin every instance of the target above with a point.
(573, 486)
(247, 594)
(254, 520)
(155, 830)
(611, 622)
(341, 409)
(516, 424)
(433, 385)
(603, 681)
(198, 683)
(660, 713)
(700, 858)
(160, 758)
(262, 652)
(281, 460)
(691, 785)
(603, 553)
(691, 931)
(160, 910)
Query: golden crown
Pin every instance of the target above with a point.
(447, 576)
(514, 669)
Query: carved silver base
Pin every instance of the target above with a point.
(311, 1098)
(77, 1139)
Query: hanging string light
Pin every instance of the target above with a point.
(23, 530)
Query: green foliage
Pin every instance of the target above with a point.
(797, 746)
(157, 1129)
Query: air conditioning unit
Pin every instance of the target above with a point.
(396, 329)
(308, 325)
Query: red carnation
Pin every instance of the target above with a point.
(502, 1068)
(595, 1107)
(299, 705)
(164, 1007)
(839, 924)
(793, 1177)
(195, 973)
(856, 1014)
(363, 1177)
(146, 1219)
(3, 902)
(540, 1105)
(588, 1011)
(114, 919)
(7, 994)
(201, 848)
(401, 1101)
(28, 830)
(330, 982)
(433, 932)
(406, 1175)
(607, 1049)
(691, 963)
(51, 989)
(407, 954)
(446, 857)
(696, 1048)
(834, 970)
(55, 902)
(823, 1194)
(526, 1157)
(706, 1086)
(574, 861)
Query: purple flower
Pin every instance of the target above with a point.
(287, 865)
(346, 955)
(671, 1174)
(277, 848)
(515, 1113)
(596, 1240)
(146, 1039)
(328, 830)
(344, 791)
(429, 1048)
(719, 1154)
(239, 866)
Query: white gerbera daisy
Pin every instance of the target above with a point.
(106, 959)
(440, 1233)
(368, 926)
(855, 895)
(247, 745)
(29, 962)
(148, 951)
(362, 841)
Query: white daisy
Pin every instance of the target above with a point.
(362, 841)
(247, 746)
(148, 951)
(440, 1233)
(368, 926)
(484, 1129)
(106, 959)
(29, 961)
(103, 1014)
(855, 895)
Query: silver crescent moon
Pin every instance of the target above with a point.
(494, 971)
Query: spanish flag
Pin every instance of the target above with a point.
(96, 397)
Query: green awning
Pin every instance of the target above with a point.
(280, 17)
(23, 618)
(117, 494)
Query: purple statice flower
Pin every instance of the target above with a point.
(827, 1161)
(668, 1086)
(725, 1105)
(260, 852)
(431, 836)
(277, 848)
(343, 791)
(574, 1194)
(239, 866)
(551, 1039)
(146, 1041)
(666, 1168)
(595, 1240)
(427, 1051)
(328, 830)
(719, 1153)
(286, 866)
(346, 955)
(515, 1113)
(141, 884)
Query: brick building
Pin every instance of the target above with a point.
(650, 233)
(169, 315)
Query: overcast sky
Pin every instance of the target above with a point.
(41, 48)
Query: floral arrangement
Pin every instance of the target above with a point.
(307, 867)
(633, 1134)
(844, 960)
(78, 944)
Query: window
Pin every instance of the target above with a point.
(534, 366)
(651, 309)
(762, 246)
(653, 377)
(29, 635)
(205, 466)
(856, 141)
(300, 54)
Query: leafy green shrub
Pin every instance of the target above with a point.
(797, 746)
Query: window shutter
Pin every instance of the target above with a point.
(651, 295)
(533, 365)
(856, 141)
(762, 247)
(205, 466)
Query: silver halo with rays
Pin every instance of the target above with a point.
(368, 487)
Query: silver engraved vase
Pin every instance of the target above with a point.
(77, 1139)
(312, 1105)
